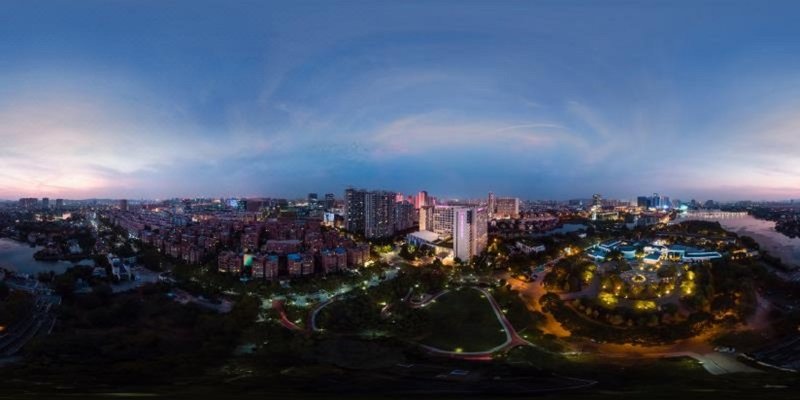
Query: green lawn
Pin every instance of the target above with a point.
(463, 320)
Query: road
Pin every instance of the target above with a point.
(38, 323)
(531, 293)
(697, 348)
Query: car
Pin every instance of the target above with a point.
(725, 349)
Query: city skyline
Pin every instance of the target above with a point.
(537, 101)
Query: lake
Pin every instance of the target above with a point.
(18, 257)
(776, 243)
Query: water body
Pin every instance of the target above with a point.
(18, 257)
(776, 243)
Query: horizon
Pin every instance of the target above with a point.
(531, 100)
(445, 197)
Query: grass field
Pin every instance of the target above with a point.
(464, 320)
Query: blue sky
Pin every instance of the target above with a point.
(533, 99)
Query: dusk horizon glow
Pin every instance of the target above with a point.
(535, 100)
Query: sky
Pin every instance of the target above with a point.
(535, 99)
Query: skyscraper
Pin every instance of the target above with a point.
(123, 205)
(312, 199)
(491, 205)
(45, 203)
(655, 201)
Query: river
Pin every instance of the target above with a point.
(18, 257)
(776, 243)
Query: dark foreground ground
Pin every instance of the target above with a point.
(667, 379)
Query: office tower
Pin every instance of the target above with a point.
(655, 201)
(507, 207)
(330, 201)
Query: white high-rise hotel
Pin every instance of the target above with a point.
(467, 226)
(470, 231)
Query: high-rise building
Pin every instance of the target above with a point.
(655, 201)
(492, 206)
(507, 207)
(426, 218)
(643, 202)
(330, 201)
(442, 220)
(403, 215)
(354, 209)
(253, 205)
(45, 203)
(597, 200)
(371, 213)
(123, 205)
(422, 200)
(312, 198)
(470, 232)
(28, 202)
(59, 204)
(379, 214)
(466, 225)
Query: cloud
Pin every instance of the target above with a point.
(62, 139)
(446, 135)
